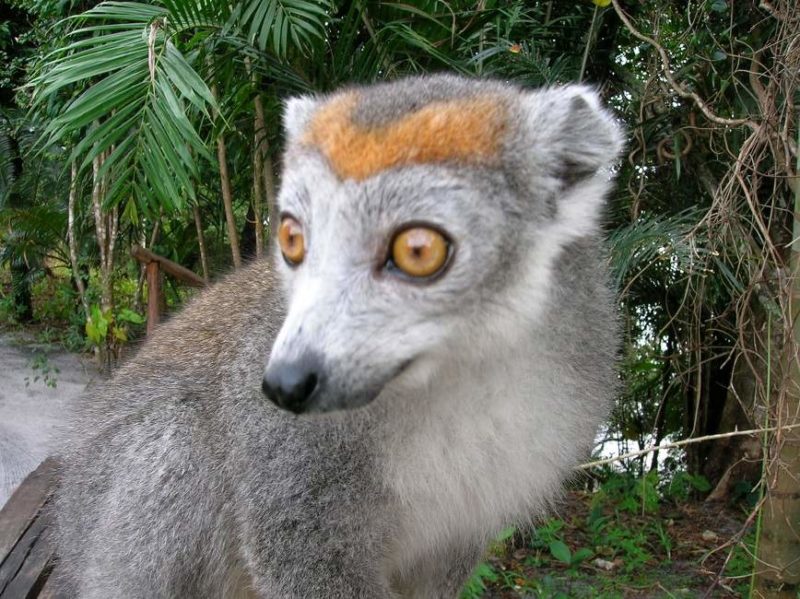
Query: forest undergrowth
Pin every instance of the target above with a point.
(633, 537)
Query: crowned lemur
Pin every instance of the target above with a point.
(423, 361)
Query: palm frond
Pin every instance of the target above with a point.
(139, 93)
(6, 168)
(32, 233)
(281, 23)
(672, 239)
(191, 14)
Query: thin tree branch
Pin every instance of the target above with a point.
(652, 448)
(679, 89)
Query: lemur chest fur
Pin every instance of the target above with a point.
(469, 463)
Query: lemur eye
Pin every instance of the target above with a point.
(292, 241)
(419, 251)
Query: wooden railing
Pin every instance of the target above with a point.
(154, 265)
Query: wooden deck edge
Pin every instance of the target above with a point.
(24, 505)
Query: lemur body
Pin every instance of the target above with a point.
(424, 365)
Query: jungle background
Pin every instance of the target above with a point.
(157, 125)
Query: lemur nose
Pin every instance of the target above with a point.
(290, 385)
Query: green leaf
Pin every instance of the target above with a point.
(127, 315)
(581, 555)
(561, 552)
(272, 23)
(119, 333)
(140, 107)
(96, 326)
(719, 6)
(700, 483)
(506, 534)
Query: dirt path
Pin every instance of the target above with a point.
(30, 414)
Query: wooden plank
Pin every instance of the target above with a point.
(23, 506)
(35, 569)
(13, 565)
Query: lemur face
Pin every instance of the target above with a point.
(405, 210)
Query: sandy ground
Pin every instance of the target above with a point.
(30, 414)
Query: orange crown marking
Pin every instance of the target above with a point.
(468, 131)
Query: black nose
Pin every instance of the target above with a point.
(290, 385)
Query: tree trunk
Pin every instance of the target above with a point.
(227, 194)
(106, 234)
(738, 458)
(264, 165)
(227, 199)
(137, 302)
(247, 236)
(266, 168)
(73, 244)
(661, 416)
(779, 542)
(258, 183)
(258, 195)
(201, 241)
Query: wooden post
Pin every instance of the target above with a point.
(154, 265)
(153, 293)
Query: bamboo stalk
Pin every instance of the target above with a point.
(258, 193)
(201, 241)
(227, 194)
(267, 172)
(73, 244)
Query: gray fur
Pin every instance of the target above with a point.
(450, 409)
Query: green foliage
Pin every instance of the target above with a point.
(7, 176)
(627, 492)
(54, 299)
(547, 533)
(617, 547)
(476, 585)
(136, 110)
(670, 239)
(284, 21)
(562, 553)
(742, 562)
(43, 371)
(9, 310)
(104, 326)
(97, 325)
(682, 484)
(663, 538)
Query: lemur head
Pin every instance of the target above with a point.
(418, 223)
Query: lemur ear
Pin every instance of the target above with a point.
(296, 115)
(569, 126)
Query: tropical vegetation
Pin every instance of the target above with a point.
(157, 124)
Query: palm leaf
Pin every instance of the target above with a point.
(275, 23)
(138, 100)
(672, 239)
(192, 14)
(6, 168)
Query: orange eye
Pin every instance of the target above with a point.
(292, 241)
(420, 251)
